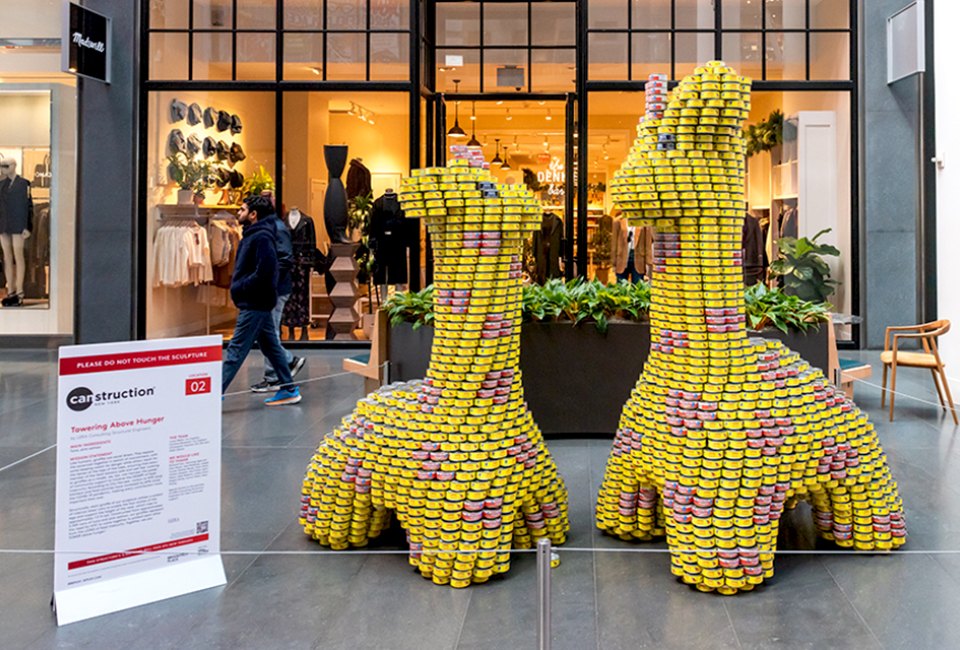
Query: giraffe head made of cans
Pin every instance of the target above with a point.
(688, 159)
(468, 213)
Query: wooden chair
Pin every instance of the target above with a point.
(370, 366)
(927, 335)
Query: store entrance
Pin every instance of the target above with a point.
(529, 140)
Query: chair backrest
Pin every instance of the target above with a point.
(931, 331)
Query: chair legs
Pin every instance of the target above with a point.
(936, 382)
(883, 393)
(946, 389)
(893, 387)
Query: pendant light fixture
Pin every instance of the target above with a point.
(455, 130)
(506, 158)
(496, 159)
(473, 142)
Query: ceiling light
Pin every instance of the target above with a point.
(506, 159)
(473, 142)
(456, 131)
(496, 159)
(549, 116)
(509, 116)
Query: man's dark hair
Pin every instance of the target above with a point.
(259, 204)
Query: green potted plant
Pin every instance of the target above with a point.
(765, 135)
(801, 265)
(258, 183)
(191, 175)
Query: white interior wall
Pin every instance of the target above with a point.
(947, 53)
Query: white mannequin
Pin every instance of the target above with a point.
(293, 218)
(11, 244)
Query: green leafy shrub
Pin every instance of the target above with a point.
(582, 301)
(802, 268)
(774, 308)
(765, 135)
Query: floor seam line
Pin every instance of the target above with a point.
(733, 628)
(856, 610)
(26, 458)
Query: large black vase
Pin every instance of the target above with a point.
(335, 202)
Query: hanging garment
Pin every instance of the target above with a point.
(625, 238)
(16, 206)
(358, 180)
(37, 254)
(754, 255)
(303, 234)
(389, 241)
(546, 248)
(181, 256)
(790, 223)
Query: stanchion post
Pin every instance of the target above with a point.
(543, 592)
(838, 378)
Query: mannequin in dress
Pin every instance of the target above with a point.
(296, 313)
(16, 223)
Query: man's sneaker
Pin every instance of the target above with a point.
(265, 386)
(297, 365)
(283, 397)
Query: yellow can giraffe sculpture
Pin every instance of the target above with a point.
(457, 456)
(722, 431)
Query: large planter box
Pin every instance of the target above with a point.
(575, 379)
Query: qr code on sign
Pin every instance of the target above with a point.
(203, 527)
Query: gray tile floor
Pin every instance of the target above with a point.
(604, 599)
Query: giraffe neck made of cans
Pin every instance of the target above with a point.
(477, 311)
(697, 307)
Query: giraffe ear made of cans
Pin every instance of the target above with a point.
(456, 457)
(723, 432)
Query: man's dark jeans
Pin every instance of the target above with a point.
(255, 326)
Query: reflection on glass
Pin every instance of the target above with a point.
(347, 56)
(458, 23)
(786, 14)
(692, 50)
(554, 70)
(169, 56)
(389, 14)
(256, 14)
(390, 56)
(458, 64)
(303, 56)
(169, 14)
(607, 14)
(651, 54)
(505, 23)
(651, 14)
(786, 56)
(829, 56)
(346, 14)
(554, 23)
(256, 56)
(213, 14)
(303, 15)
(504, 70)
(742, 14)
(830, 14)
(695, 14)
(212, 55)
(744, 53)
(607, 56)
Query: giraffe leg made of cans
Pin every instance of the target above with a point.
(723, 432)
(456, 457)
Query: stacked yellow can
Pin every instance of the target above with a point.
(723, 432)
(457, 456)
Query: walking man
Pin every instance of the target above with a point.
(270, 381)
(254, 292)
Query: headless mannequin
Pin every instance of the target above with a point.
(12, 244)
(294, 218)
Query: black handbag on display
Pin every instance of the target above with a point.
(42, 175)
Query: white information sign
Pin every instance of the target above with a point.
(138, 474)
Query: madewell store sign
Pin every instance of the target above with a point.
(138, 474)
(86, 43)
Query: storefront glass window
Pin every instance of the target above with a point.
(373, 129)
(38, 126)
(336, 40)
(220, 145)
